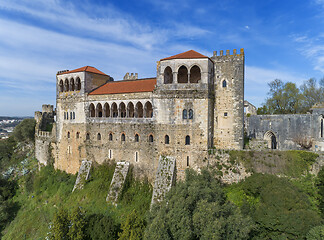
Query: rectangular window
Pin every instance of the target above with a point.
(110, 154)
(136, 156)
(225, 114)
(187, 161)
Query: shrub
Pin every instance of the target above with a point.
(101, 227)
(25, 131)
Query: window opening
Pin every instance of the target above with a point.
(88, 136)
(190, 114)
(166, 139)
(68, 135)
(110, 137)
(187, 140)
(123, 137)
(224, 84)
(98, 136)
(187, 161)
(151, 138)
(184, 114)
(136, 156)
(136, 138)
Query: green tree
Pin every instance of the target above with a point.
(312, 93)
(25, 131)
(60, 226)
(77, 224)
(281, 211)
(316, 233)
(101, 227)
(133, 227)
(197, 209)
(320, 186)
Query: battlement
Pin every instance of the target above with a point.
(62, 71)
(45, 134)
(47, 108)
(221, 53)
(132, 76)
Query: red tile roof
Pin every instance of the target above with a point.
(85, 69)
(126, 86)
(189, 54)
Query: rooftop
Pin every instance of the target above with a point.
(84, 69)
(126, 86)
(186, 55)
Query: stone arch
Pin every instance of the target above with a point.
(139, 110)
(148, 110)
(130, 110)
(195, 74)
(106, 110)
(61, 86)
(78, 84)
(271, 139)
(114, 110)
(136, 138)
(123, 137)
(150, 138)
(166, 139)
(66, 85)
(92, 110)
(183, 74)
(122, 110)
(99, 110)
(187, 140)
(72, 84)
(168, 76)
(224, 84)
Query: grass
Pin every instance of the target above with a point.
(40, 195)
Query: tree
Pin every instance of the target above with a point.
(102, 227)
(311, 93)
(197, 209)
(320, 186)
(77, 224)
(25, 131)
(280, 209)
(316, 233)
(60, 225)
(133, 227)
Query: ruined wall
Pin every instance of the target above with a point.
(287, 129)
(229, 100)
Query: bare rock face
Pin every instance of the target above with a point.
(117, 182)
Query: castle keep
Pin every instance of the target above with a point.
(194, 103)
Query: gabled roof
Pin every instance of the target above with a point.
(126, 86)
(85, 69)
(189, 54)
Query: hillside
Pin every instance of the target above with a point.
(35, 204)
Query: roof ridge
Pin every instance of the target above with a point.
(186, 55)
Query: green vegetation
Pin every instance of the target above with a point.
(279, 209)
(287, 98)
(198, 209)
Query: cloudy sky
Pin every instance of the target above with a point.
(282, 39)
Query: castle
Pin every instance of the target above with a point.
(194, 104)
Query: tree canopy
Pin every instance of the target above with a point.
(287, 98)
(197, 209)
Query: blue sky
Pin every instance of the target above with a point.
(282, 39)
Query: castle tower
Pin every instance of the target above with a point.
(229, 100)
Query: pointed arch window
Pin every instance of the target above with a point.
(110, 137)
(187, 140)
(151, 139)
(190, 114)
(224, 84)
(136, 137)
(123, 137)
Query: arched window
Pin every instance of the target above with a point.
(110, 137)
(61, 86)
(139, 110)
(190, 114)
(72, 84)
(78, 84)
(187, 140)
(168, 76)
(130, 110)
(150, 138)
(64, 115)
(136, 137)
(166, 139)
(183, 75)
(67, 116)
(187, 161)
(98, 136)
(92, 110)
(148, 110)
(106, 110)
(68, 135)
(88, 136)
(66, 85)
(123, 137)
(99, 110)
(73, 115)
(184, 114)
(114, 110)
(77, 135)
(122, 110)
(224, 84)
(195, 74)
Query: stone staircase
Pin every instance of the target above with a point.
(83, 175)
